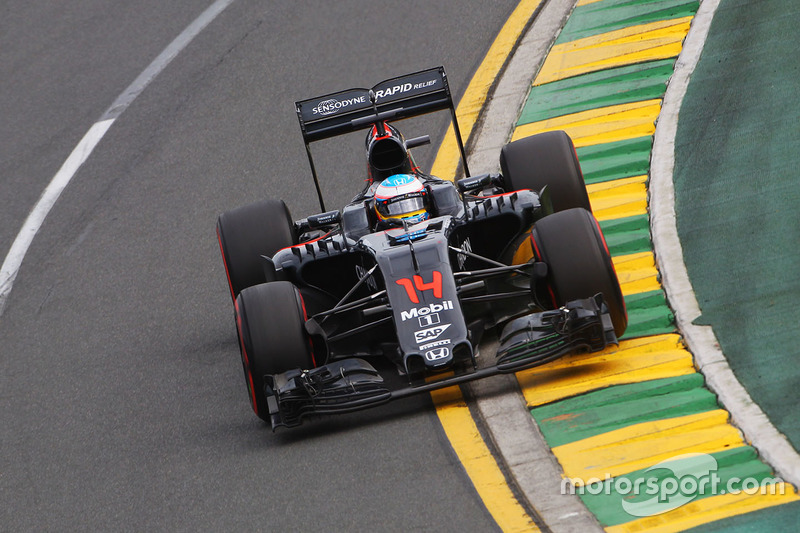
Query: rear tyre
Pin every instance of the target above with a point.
(546, 159)
(270, 319)
(248, 232)
(578, 263)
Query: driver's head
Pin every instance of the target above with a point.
(401, 196)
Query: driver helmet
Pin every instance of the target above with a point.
(401, 196)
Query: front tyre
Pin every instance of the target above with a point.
(578, 263)
(270, 319)
(546, 159)
(248, 232)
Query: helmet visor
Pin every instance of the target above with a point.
(399, 207)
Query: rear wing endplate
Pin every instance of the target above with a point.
(397, 98)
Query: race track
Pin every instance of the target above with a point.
(124, 406)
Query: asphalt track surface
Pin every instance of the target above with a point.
(123, 401)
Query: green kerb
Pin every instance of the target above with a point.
(609, 15)
(621, 406)
(611, 161)
(616, 86)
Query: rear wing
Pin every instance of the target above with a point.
(397, 98)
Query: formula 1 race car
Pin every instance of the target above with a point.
(415, 269)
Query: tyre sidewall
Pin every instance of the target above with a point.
(579, 265)
(547, 159)
(270, 320)
(247, 233)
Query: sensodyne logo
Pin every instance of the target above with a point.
(332, 105)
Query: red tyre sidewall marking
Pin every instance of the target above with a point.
(246, 359)
(225, 263)
(305, 317)
(613, 268)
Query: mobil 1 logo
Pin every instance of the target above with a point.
(428, 310)
(428, 320)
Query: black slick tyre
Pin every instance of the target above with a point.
(578, 263)
(248, 232)
(546, 159)
(270, 320)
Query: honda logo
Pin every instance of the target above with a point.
(437, 353)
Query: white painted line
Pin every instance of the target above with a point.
(13, 261)
(16, 254)
(701, 341)
(164, 58)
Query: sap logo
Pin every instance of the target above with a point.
(427, 310)
(430, 334)
(437, 353)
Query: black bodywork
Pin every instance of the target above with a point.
(419, 295)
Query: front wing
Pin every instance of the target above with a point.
(353, 384)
